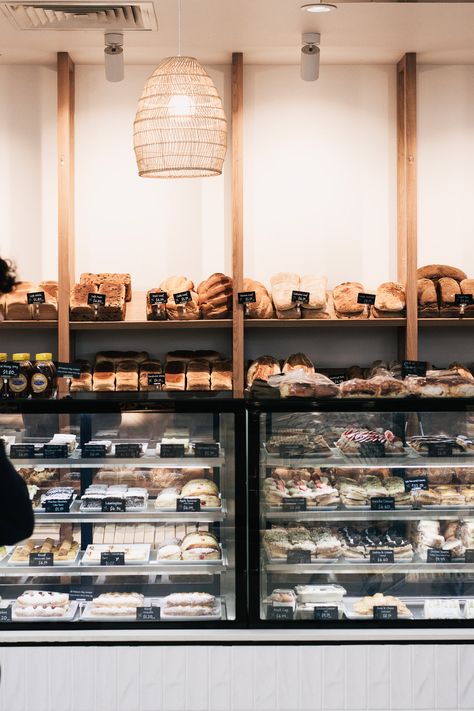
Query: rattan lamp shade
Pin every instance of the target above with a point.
(180, 129)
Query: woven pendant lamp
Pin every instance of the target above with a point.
(180, 128)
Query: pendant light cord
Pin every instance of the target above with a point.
(179, 28)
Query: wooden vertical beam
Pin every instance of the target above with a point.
(66, 275)
(407, 195)
(237, 220)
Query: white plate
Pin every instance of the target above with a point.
(68, 617)
(351, 615)
(217, 615)
(117, 548)
(87, 615)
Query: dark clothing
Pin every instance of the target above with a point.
(16, 512)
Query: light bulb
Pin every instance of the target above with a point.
(181, 105)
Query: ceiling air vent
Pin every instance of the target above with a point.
(74, 16)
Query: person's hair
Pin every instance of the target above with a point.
(7, 276)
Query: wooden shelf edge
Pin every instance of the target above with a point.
(326, 323)
(25, 325)
(148, 325)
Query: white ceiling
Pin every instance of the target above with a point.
(269, 31)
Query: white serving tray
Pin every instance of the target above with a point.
(61, 564)
(87, 615)
(117, 548)
(351, 615)
(68, 617)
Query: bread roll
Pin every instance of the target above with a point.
(427, 299)
(155, 312)
(390, 300)
(175, 376)
(149, 367)
(221, 375)
(79, 309)
(262, 369)
(345, 300)
(263, 306)
(215, 297)
(198, 375)
(316, 286)
(114, 309)
(437, 271)
(283, 284)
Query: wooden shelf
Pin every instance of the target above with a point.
(147, 325)
(326, 323)
(27, 325)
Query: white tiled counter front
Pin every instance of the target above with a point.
(239, 678)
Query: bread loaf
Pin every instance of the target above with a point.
(126, 377)
(390, 300)
(114, 309)
(215, 297)
(176, 284)
(467, 287)
(438, 271)
(183, 312)
(294, 312)
(149, 367)
(262, 369)
(345, 300)
(283, 284)
(175, 375)
(211, 356)
(221, 375)
(198, 376)
(82, 384)
(316, 286)
(104, 377)
(183, 355)
(47, 311)
(50, 287)
(427, 299)
(155, 312)
(298, 361)
(116, 356)
(263, 306)
(79, 309)
(99, 279)
(447, 289)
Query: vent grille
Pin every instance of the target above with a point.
(61, 16)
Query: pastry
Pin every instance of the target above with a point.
(42, 597)
(215, 297)
(356, 441)
(196, 487)
(358, 387)
(390, 301)
(283, 284)
(263, 306)
(345, 300)
(366, 605)
(443, 609)
(167, 498)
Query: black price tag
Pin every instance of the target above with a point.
(41, 560)
(327, 613)
(463, 299)
(382, 503)
(9, 370)
(55, 451)
(94, 299)
(57, 506)
(148, 614)
(287, 451)
(36, 297)
(414, 367)
(300, 297)
(159, 298)
(81, 594)
(285, 612)
(206, 450)
(385, 612)
(372, 450)
(416, 483)
(6, 614)
(68, 370)
(297, 557)
(469, 555)
(246, 297)
(382, 557)
(113, 506)
(337, 378)
(171, 451)
(182, 297)
(435, 555)
(440, 449)
(22, 451)
(188, 504)
(294, 503)
(124, 451)
(365, 298)
(156, 379)
(94, 451)
(107, 558)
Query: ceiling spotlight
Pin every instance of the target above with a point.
(114, 56)
(319, 7)
(310, 56)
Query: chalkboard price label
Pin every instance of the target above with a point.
(416, 483)
(57, 506)
(463, 299)
(9, 370)
(148, 614)
(368, 299)
(81, 594)
(247, 297)
(328, 613)
(55, 451)
(94, 299)
(156, 379)
(68, 370)
(94, 451)
(294, 503)
(337, 378)
(110, 559)
(22, 451)
(298, 557)
(41, 560)
(382, 557)
(280, 614)
(158, 298)
(129, 450)
(206, 450)
(36, 297)
(6, 614)
(382, 503)
(440, 449)
(385, 612)
(435, 555)
(182, 297)
(469, 555)
(188, 504)
(414, 367)
(171, 451)
(113, 506)
(300, 297)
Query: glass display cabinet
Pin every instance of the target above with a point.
(136, 505)
(361, 512)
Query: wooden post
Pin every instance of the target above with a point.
(407, 195)
(237, 221)
(66, 276)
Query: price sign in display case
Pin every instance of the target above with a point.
(124, 536)
(361, 512)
